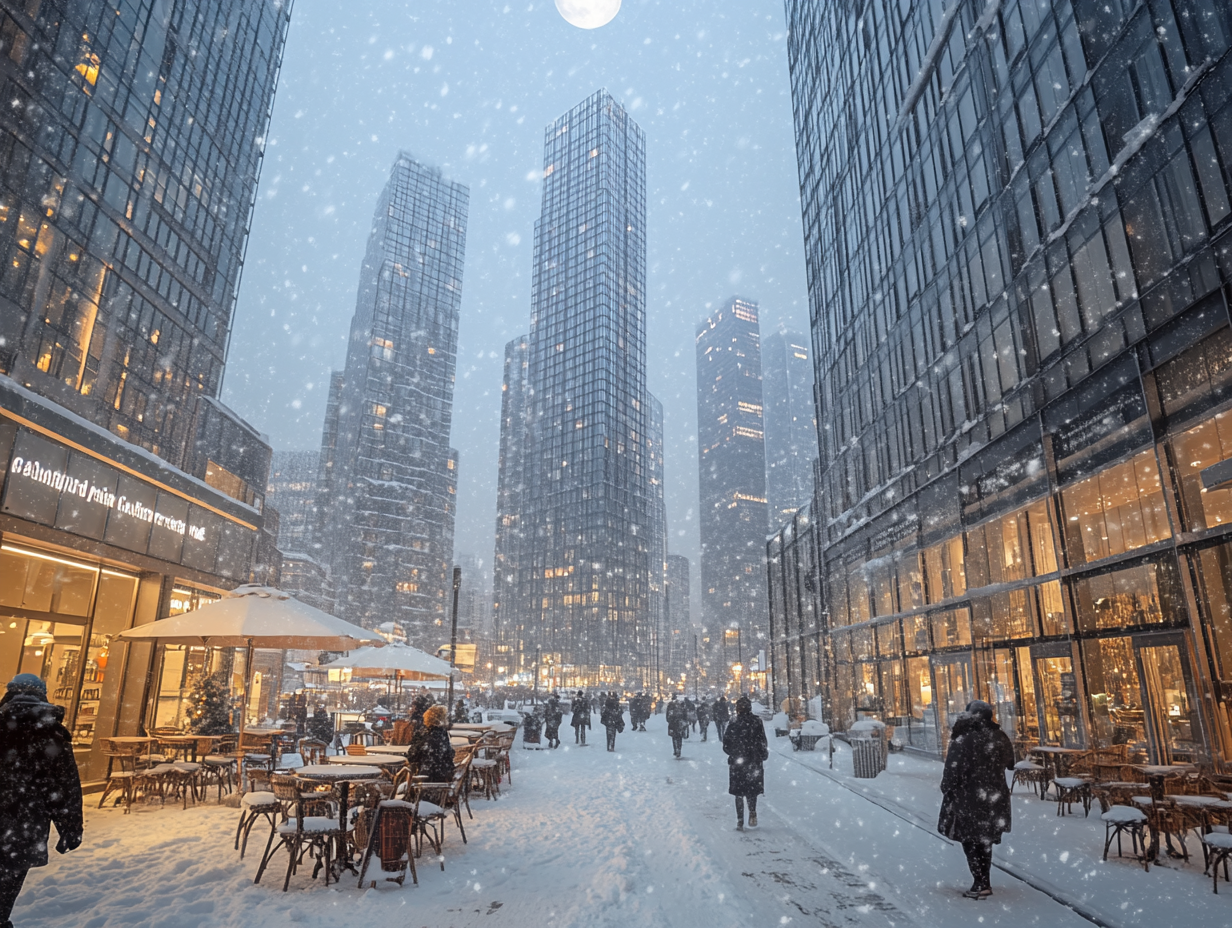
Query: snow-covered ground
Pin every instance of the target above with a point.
(637, 838)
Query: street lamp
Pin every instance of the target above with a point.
(736, 669)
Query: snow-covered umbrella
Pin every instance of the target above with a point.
(253, 616)
(406, 662)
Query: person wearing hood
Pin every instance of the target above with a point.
(744, 743)
(39, 785)
(613, 719)
(975, 804)
(552, 717)
(580, 718)
(677, 722)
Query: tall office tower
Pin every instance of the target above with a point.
(130, 144)
(653, 633)
(128, 188)
(791, 423)
(388, 474)
(731, 459)
(587, 513)
(292, 490)
(1018, 286)
(508, 608)
(678, 632)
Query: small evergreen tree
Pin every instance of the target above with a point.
(209, 706)
(321, 726)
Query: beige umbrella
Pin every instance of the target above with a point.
(395, 661)
(251, 617)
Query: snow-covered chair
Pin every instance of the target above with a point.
(302, 834)
(1217, 847)
(1032, 774)
(1121, 819)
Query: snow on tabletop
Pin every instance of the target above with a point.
(588, 839)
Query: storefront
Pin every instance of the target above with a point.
(97, 536)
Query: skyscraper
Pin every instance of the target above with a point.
(388, 474)
(130, 144)
(731, 460)
(791, 423)
(587, 512)
(292, 490)
(658, 541)
(676, 654)
(1019, 292)
(510, 578)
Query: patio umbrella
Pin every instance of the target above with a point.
(251, 617)
(396, 661)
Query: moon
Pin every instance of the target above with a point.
(588, 14)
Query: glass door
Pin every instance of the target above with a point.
(1172, 726)
(955, 687)
(1056, 695)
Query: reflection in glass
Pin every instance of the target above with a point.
(1195, 450)
(1117, 715)
(1058, 701)
(954, 691)
(1215, 568)
(1145, 594)
(1171, 717)
(1117, 510)
(922, 723)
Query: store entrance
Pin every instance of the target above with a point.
(1056, 695)
(1173, 731)
(955, 687)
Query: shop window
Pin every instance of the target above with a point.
(888, 643)
(1026, 689)
(1011, 615)
(867, 699)
(921, 722)
(842, 647)
(1052, 609)
(1115, 694)
(862, 644)
(998, 687)
(1215, 570)
(857, 596)
(945, 570)
(1117, 510)
(45, 583)
(881, 572)
(1145, 594)
(893, 690)
(915, 634)
(843, 714)
(951, 628)
(1195, 450)
(910, 582)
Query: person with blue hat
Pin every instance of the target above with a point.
(39, 784)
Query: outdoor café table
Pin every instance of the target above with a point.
(1155, 775)
(1056, 760)
(472, 726)
(341, 775)
(189, 744)
(459, 742)
(399, 749)
(369, 760)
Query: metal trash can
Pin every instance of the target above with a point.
(866, 758)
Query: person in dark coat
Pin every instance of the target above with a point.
(677, 722)
(975, 804)
(580, 719)
(690, 715)
(721, 713)
(552, 717)
(39, 785)
(430, 752)
(613, 719)
(746, 748)
(703, 718)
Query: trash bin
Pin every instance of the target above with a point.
(865, 758)
(873, 732)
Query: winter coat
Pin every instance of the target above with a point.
(745, 745)
(39, 783)
(581, 712)
(552, 717)
(677, 721)
(975, 803)
(612, 717)
(690, 711)
(721, 711)
(703, 715)
(432, 753)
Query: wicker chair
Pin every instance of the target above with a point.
(301, 833)
(313, 751)
(1121, 819)
(1032, 774)
(122, 772)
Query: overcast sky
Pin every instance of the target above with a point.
(470, 86)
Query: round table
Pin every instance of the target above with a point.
(1155, 775)
(460, 742)
(342, 775)
(472, 726)
(191, 743)
(366, 760)
(399, 749)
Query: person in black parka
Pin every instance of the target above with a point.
(430, 752)
(703, 717)
(39, 784)
(580, 719)
(721, 714)
(677, 722)
(552, 717)
(975, 804)
(746, 748)
(613, 719)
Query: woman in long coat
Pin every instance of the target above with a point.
(975, 804)
(430, 752)
(745, 745)
(612, 719)
(676, 723)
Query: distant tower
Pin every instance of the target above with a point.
(658, 540)
(587, 513)
(791, 425)
(732, 482)
(389, 475)
(510, 572)
(677, 656)
(292, 490)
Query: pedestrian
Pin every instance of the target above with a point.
(39, 784)
(975, 804)
(703, 717)
(459, 712)
(613, 719)
(690, 714)
(745, 745)
(580, 719)
(430, 754)
(722, 715)
(552, 717)
(677, 723)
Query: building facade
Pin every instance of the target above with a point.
(1019, 299)
(130, 492)
(791, 423)
(511, 585)
(586, 514)
(652, 673)
(731, 458)
(676, 648)
(292, 490)
(388, 476)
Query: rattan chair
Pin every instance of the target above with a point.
(301, 833)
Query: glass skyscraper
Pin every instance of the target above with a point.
(791, 423)
(131, 139)
(511, 587)
(1017, 223)
(586, 518)
(388, 484)
(731, 459)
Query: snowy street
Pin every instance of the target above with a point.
(634, 838)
